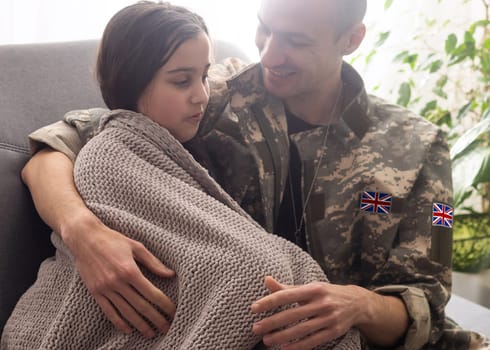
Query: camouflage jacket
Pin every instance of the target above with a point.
(377, 152)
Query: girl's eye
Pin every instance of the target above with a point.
(182, 83)
(204, 78)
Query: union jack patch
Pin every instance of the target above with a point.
(376, 202)
(442, 215)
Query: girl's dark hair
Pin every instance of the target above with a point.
(137, 42)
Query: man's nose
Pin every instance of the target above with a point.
(272, 53)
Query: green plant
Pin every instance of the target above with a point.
(449, 84)
(471, 249)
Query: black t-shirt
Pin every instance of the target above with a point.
(286, 223)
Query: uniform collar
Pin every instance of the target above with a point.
(356, 105)
(247, 87)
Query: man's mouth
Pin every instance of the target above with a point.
(280, 73)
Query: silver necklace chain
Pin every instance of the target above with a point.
(315, 175)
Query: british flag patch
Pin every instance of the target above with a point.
(442, 215)
(376, 202)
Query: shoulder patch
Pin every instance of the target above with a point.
(442, 215)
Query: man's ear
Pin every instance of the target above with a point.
(353, 38)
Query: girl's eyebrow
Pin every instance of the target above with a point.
(181, 69)
(186, 69)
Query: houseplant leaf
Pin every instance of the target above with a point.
(468, 171)
(484, 173)
(404, 94)
(470, 136)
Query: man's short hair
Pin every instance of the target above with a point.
(348, 12)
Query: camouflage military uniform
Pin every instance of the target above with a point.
(375, 148)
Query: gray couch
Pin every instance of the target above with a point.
(38, 84)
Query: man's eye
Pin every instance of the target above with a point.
(297, 43)
(264, 30)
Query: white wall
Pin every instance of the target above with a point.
(404, 20)
(25, 21)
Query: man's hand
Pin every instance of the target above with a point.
(324, 311)
(107, 263)
(105, 259)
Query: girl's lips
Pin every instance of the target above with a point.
(196, 117)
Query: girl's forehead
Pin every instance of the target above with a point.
(192, 54)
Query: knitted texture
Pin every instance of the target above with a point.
(140, 181)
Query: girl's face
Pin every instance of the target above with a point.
(179, 92)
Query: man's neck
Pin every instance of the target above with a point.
(318, 107)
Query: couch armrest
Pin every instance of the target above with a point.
(469, 315)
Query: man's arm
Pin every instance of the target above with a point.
(105, 259)
(330, 311)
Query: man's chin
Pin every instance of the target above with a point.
(279, 86)
(277, 90)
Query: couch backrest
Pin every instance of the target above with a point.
(38, 84)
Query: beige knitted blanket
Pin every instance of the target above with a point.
(141, 181)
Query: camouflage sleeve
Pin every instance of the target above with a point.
(419, 270)
(219, 74)
(59, 136)
(69, 135)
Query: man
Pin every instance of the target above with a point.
(357, 183)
